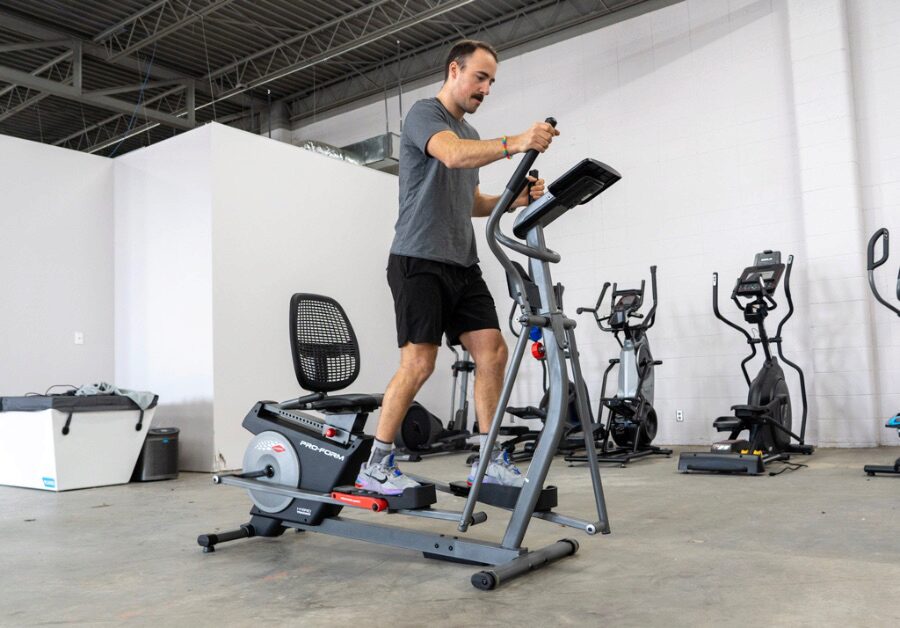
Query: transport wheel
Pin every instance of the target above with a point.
(273, 449)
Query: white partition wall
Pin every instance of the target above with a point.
(738, 126)
(286, 220)
(56, 267)
(164, 285)
(215, 230)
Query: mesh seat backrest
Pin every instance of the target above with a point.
(324, 347)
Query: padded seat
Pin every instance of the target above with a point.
(728, 423)
(623, 406)
(528, 412)
(347, 403)
(750, 412)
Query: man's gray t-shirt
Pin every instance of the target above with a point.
(436, 202)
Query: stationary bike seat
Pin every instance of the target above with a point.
(354, 402)
(528, 412)
(750, 412)
(727, 423)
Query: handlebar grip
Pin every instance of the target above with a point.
(518, 178)
(872, 264)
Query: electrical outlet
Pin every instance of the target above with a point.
(79, 338)
(679, 415)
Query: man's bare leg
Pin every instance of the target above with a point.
(377, 475)
(416, 365)
(488, 351)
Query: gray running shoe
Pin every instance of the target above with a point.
(384, 478)
(500, 471)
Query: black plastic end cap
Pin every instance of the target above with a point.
(484, 580)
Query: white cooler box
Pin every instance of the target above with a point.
(63, 442)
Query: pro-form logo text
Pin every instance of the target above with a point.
(322, 450)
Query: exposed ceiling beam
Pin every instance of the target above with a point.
(74, 93)
(292, 55)
(16, 98)
(152, 23)
(516, 29)
(13, 22)
(289, 56)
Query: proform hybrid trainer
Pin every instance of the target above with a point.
(299, 468)
(767, 415)
(894, 421)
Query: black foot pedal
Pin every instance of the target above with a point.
(506, 496)
(410, 499)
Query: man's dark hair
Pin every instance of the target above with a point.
(462, 50)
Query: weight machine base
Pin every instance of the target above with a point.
(622, 455)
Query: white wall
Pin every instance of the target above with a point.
(286, 220)
(163, 243)
(738, 126)
(56, 267)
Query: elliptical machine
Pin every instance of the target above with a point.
(631, 420)
(422, 434)
(767, 415)
(894, 421)
(298, 466)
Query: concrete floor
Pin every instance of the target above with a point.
(815, 547)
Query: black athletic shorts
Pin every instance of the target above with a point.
(433, 298)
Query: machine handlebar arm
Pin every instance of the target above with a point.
(594, 310)
(872, 265)
(495, 237)
(651, 315)
(719, 314)
(885, 248)
(787, 294)
(790, 300)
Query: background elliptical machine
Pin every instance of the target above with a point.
(631, 420)
(422, 434)
(894, 421)
(767, 414)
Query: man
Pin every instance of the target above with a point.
(433, 266)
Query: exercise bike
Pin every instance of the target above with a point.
(894, 421)
(631, 421)
(299, 467)
(767, 415)
(422, 434)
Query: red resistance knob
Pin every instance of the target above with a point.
(537, 350)
(330, 432)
